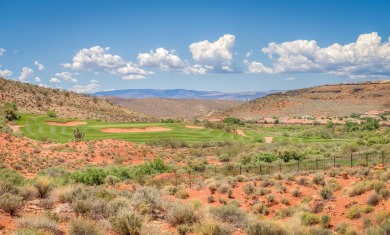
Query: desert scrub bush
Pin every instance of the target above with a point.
(213, 228)
(212, 186)
(333, 184)
(260, 208)
(224, 188)
(179, 213)
(280, 188)
(345, 228)
(11, 176)
(309, 218)
(184, 229)
(63, 194)
(296, 192)
(318, 179)
(11, 203)
(264, 227)
(51, 113)
(284, 212)
(354, 212)
(373, 199)
(229, 214)
(126, 222)
(147, 200)
(333, 172)
(368, 209)
(210, 199)
(248, 188)
(39, 223)
(326, 193)
(117, 204)
(170, 190)
(270, 199)
(182, 194)
(263, 191)
(111, 180)
(44, 186)
(241, 178)
(325, 221)
(379, 229)
(28, 192)
(82, 226)
(359, 188)
(285, 201)
(302, 181)
(382, 216)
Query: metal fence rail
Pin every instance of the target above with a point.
(354, 159)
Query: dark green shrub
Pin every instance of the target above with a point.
(89, 176)
(51, 113)
(309, 218)
(11, 176)
(232, 120)
(325, 221)
(9, 111)
(373, 199)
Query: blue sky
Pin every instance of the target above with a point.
(230, 45)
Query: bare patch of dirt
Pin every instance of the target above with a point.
(66, 123)
(240, 132)
(135, 130)
(14, 128)
(268, 139)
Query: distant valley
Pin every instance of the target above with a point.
(184, 94)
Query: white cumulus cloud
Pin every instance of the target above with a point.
(94, 81)
(216, 55)
(54, 80)
(66, 76)
(39, 65)
(26, 72)
(98, 59)
(37, 79)
(162, 59)
(367, 57)
(133, 77)
(93, 87)
(2, 50)
(6, 73)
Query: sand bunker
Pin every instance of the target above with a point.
(66, 123)
(135, 130)
(240, 132)
(195, 127)
(268, 139)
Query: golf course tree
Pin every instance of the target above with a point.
(8, 110)
(77, 135)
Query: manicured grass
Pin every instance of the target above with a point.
(35, 127)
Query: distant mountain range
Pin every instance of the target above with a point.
(184, 94)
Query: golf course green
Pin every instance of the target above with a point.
(38, 128)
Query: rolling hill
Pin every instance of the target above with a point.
(38, 100)
(327, 100)
(174, 108)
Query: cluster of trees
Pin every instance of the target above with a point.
(367, 124)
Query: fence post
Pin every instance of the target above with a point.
(367, 159)
(280, 167)
(298, 165)
(189, 175)
(334, 161)
(383, 155)
(215, 170)
(260, 171)
(240, 170)
(351, 160)
(317, 164)
(176, 178)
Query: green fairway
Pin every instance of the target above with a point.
(36, 127)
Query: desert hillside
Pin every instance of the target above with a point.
(38, 100)
(174, 108)
(328, 100)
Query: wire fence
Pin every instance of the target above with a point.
(191, 176)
